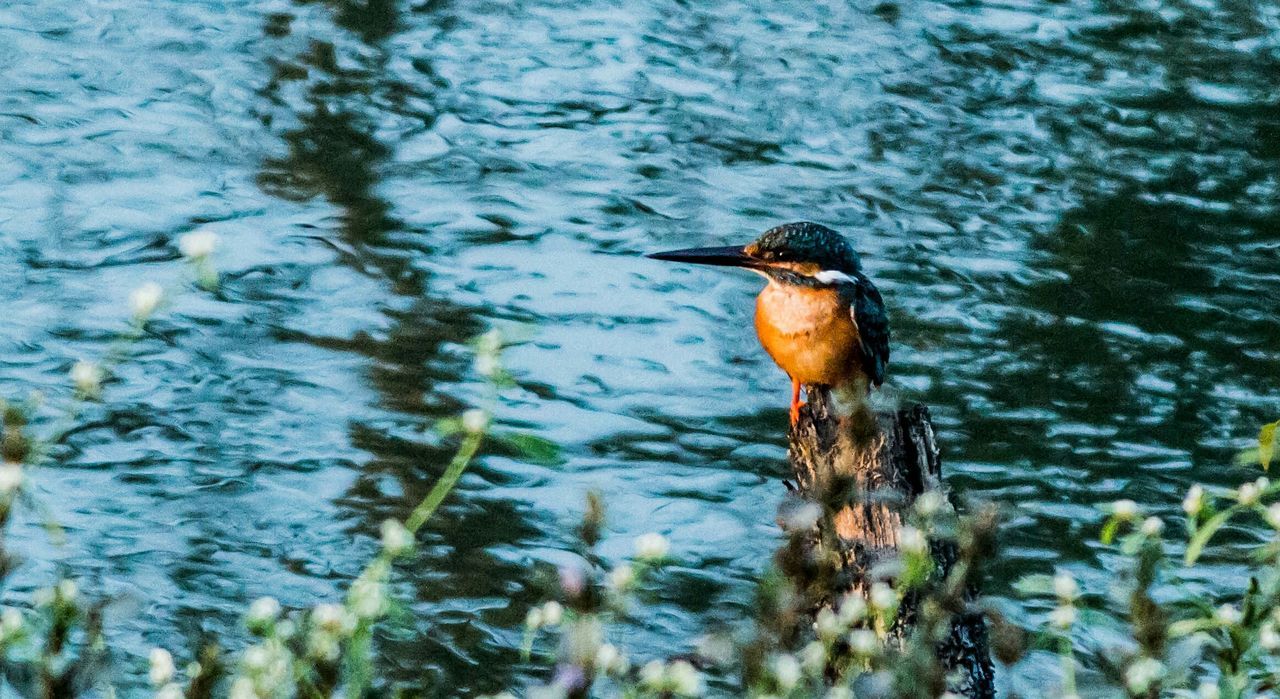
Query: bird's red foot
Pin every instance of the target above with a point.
(796, 403)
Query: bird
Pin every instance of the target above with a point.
(820, 318)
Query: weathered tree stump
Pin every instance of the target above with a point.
(864, 472)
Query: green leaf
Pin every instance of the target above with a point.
(448, 426)
(1267, 444)
(1109, 530)
(1204, 533)
(1035, 585)
(530, 447)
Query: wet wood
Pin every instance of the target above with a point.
(864, 472)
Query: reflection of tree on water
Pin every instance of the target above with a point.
(335, 153)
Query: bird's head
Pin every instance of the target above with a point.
(804, 253)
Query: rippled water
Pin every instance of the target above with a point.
(1071, 208)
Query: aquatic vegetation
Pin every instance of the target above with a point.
(1164, 637)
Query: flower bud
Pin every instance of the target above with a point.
(1227, 615)
(1152, 526)
(1063, 616)
(1193, 503)
(863, 642)
(11, 477)
(882, 597)
(87, 378)
(552, 613)
(396, 540)
(786, 670)
(1065, 587)
(652, 547)
(198, 244)
(1142, 674)
(1248, 494)
(1268, 638)
(264, 610)
(1125, 509)
(145, 299)
(930, 503)
(685, 681)
(475, 420)
(620, 578)
(161, 667)
(912, 540)
(1273, 515)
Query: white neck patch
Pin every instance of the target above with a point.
(829, 276)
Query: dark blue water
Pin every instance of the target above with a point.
(1071, 207)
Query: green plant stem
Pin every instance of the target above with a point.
(461, 459)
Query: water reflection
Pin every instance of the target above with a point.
(335, 153)
(1070, 208)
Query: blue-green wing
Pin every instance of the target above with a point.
(869, 315)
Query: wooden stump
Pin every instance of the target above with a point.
(864, 472)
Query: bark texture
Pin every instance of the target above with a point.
(864, 472)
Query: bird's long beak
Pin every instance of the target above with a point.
(729, 256)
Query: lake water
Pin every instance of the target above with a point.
(1071, 207)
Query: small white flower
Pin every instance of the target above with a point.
(882, 597)
(1065, 587)
(620, 578)
(264, 610)
(487, 365)
(1063, 616)
(814, 657)
(533, 618)
(685, 681)
(786, 670)
(853, 609)
(67, 590)
(1268, 638)
(490, 343)
(827, 624)
(333, 618)
(1124, 509)
(1273, 515)
(169, 691)
(1208, 690)
(256, 658)
(652, 547)
(1248, 494)
(242, 688)
(912, 540)
(863, 642)
(144, 300)
(11, 477)
(653, 674)
(1193, 503)
(1142, 673)
(162, 668)
(839, 692)
(198, 244)
(368, 598)
(10, 620)
(1227, 615)
(552, 613)
(475, 420)
(1152, 526)
(396, 540)
(87, 377)
(607, 657)
(930, 503)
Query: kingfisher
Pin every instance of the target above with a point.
(819, 317)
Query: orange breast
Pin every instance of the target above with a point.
(808, 332)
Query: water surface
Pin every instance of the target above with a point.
(1070, 206)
